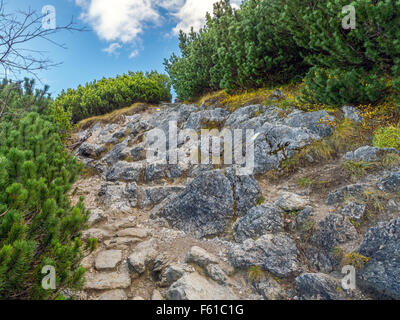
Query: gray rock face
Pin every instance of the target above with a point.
(352, 113)
(277, 254)
(270, 289)
(125, 171)
(334, 230)
(150, 196)
(244, 114)
(172, 273)
(368, 154)
(391, 183)
(314, 121)
(192, 286)
(382, 274)
(205, 208)
(117, 153)
(354, 211)
(246, 191)
(119, 196)
(277, 142)
(205, 118)
(259, 221)
(91, 150)
(318, 286)
(340, 195)
(304, 215)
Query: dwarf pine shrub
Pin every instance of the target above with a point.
(38, 225)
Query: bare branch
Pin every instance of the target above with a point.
(17, 31)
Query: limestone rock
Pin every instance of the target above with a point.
(258, 221)
(382, 274)
(192, 286)
(277, 254)
(107, 260)
(318, 286)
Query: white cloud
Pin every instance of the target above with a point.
(113, 48)
(193, 13)
(134, 54)
(124, 21)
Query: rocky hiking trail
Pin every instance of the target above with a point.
(193, 232)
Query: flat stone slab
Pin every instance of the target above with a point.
(107, 260)
(107, 280)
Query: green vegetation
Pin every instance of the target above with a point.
(387, 137)
(104, 96)
(355, 259)
(38, 225)
(19, 97)
(255, 273)
(260, 201)
(265, 43)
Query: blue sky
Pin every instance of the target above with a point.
(125, 35)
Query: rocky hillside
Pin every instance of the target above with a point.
(202, 232)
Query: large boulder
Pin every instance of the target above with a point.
(382, 274)
(317, 122)
(277, 254)
(318, 286)
(333, 231)
(205, 208)
(259, 221)
(193, 286)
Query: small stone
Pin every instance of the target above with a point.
(291, 202)
(200, 257)
(142, 257)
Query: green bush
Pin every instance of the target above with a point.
(268, 42)
(106, 95)
(237, 49)
(339, 87)
(38, 225)
(366, 54)
(22, 96)
(387, 137)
